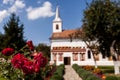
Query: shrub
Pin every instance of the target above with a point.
(85, 75)
(111, 78)
(56, 77)
(58, 74)
(75, 66)
(1, 78)
(93, 77)
(22, 64)
(118, 78)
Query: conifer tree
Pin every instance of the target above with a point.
(13, 33)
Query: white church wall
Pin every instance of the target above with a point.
(83, 63)
(105, 63)
(101, 58)
(76, 43)
(60, 43)
(59, 62)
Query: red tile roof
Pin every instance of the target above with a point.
(65, 34)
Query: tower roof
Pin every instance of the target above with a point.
(57, 16)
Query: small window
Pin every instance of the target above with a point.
(57, 26)
(89, 54)
(82, 58)
(75, 56)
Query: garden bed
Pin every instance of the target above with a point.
(106, 72)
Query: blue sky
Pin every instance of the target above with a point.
(37, 16)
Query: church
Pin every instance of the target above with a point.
(65, 51)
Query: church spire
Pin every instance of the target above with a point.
(57, 22)
(57, 16)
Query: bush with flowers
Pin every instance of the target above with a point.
(88, 67)
(97, 71)
(24, 64)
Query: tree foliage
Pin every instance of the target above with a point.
(13, 34)
(102, 23)
(44, 48)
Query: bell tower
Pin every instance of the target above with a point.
(57, 22)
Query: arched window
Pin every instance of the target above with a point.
(89, 54)
(57, 26)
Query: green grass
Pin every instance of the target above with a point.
(107, 69)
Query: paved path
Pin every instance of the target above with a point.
(70, 74)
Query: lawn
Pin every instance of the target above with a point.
(108, 71)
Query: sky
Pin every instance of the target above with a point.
(37, 16)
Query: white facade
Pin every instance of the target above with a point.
(65, 51)
(76, 43)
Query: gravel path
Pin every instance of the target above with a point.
(70, 74)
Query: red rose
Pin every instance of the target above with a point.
(18, 60)
(40, 60)
(36, 67)
(30, 45)
(8, 51)
(28, 67)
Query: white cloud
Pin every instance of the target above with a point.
(8, 1)
(16, 6)
(3, 14)
(44, 11)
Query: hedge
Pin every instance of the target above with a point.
(85, 75)
(58, 74)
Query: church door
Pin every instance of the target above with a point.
(67, 61)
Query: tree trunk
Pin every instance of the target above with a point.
(113, 52)
(95, 61)
(115, 59)
(92, 54)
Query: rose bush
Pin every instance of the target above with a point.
(14, 65)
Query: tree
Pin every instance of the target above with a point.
(13, 33)
(90, 41)
(45, 49)
(102, 20)
(1, 40)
